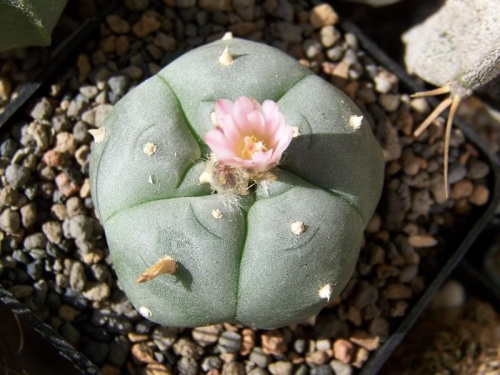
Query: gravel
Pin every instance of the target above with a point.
(54, 256)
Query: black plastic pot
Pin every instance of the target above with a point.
(477, 223)
(34, 333)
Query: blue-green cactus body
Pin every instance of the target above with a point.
(246, 266)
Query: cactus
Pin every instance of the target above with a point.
(28, 22)
(185, 258)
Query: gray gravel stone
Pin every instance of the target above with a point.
(185, 3)
(21, 291)
(477, 169)
(42, 109)
(186, 348)
(261, 371)
(70, 333)
(9, 196)
(329, 35)
(35, 241)
(101, 111)
(118, 350)
(187, 366)
(99, 317)
(233, 368)
(382, 84)
(289, 32)
(260, 358)
(119, 324)
(457, 172)
(312, 48)
(280, 368)
(90, 92)
(17, 175)
(335, 53)
(389, 102)
(321, 370)
(96, 291)
(365, 294)
(229, 342)
(302, 370)
(28, 215)
(76, 108)
(96, 351)
(211, 363)
(20, 256)
(35, 269)
(61, 123)
(77, 277)
(118, 84)
(81, 227)
(81, 132)
(340, 368)
(137, 5)
(299, 345)
(40, 290)
(100, 272)
(164, 337)
(10, 221)
(8, 148)
(245, 9)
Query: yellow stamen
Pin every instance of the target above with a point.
(251, 145)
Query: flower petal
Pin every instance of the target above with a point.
(257, 124)
(223, 108)
(219, 144)
(264, 161)
(243, 128)
(271, 113)
(231, 131)
(241, 109)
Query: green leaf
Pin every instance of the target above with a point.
(28, 22)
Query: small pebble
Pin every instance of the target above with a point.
(17, 175)
(229, 342)
(280, 368)
(343, 350)
(323, 15)
(185, 348)
(340, 368)
(118, 350)
(260, 358)
(233, 368)
(96, 291)
(211, 363)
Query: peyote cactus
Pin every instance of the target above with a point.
(182, 254)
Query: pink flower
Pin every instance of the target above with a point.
(249, 136)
